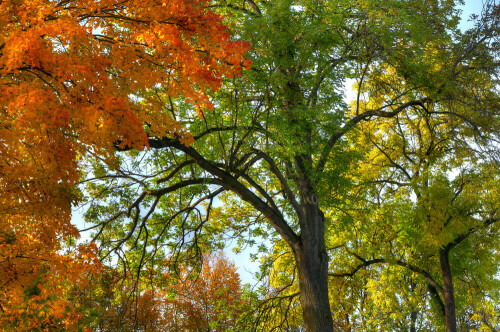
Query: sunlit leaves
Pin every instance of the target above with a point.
(75, 77)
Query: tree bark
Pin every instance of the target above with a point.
(448, 292)
(414, 312)
(312, 263)
(348, 323)
(413, 321)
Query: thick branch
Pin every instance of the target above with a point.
(366, 263)
(470, 231)
(284, 184)
(229, 182)
(182, 184)
(355, 120)
(357, 268)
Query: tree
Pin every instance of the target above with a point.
(73, 80)
(426, 204)
(429, 185)
(211, 299)
(276, 149)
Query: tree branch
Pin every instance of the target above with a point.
(355, 120)
(231, 183)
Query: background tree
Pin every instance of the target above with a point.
(211, 299)
(427, 196)
(420, 223)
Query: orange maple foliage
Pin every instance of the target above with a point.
(74, 77)
(211, 301)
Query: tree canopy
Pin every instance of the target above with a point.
(75, 78)
(378, 212)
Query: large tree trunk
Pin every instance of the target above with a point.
(449, 296)
(312, 264)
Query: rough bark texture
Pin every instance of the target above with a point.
(312, 263)
(449, 296)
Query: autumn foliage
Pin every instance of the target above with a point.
(209, 300)
(77, 77)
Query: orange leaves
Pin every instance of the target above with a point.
(82, 53)
(74, 77)
(213, 300)
(36, 280)
(210, 301)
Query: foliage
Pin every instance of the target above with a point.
(426, 189)
(211, 299)
(75, 78)
(364, 210)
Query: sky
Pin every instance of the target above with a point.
(246, 268)
(470, 7)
